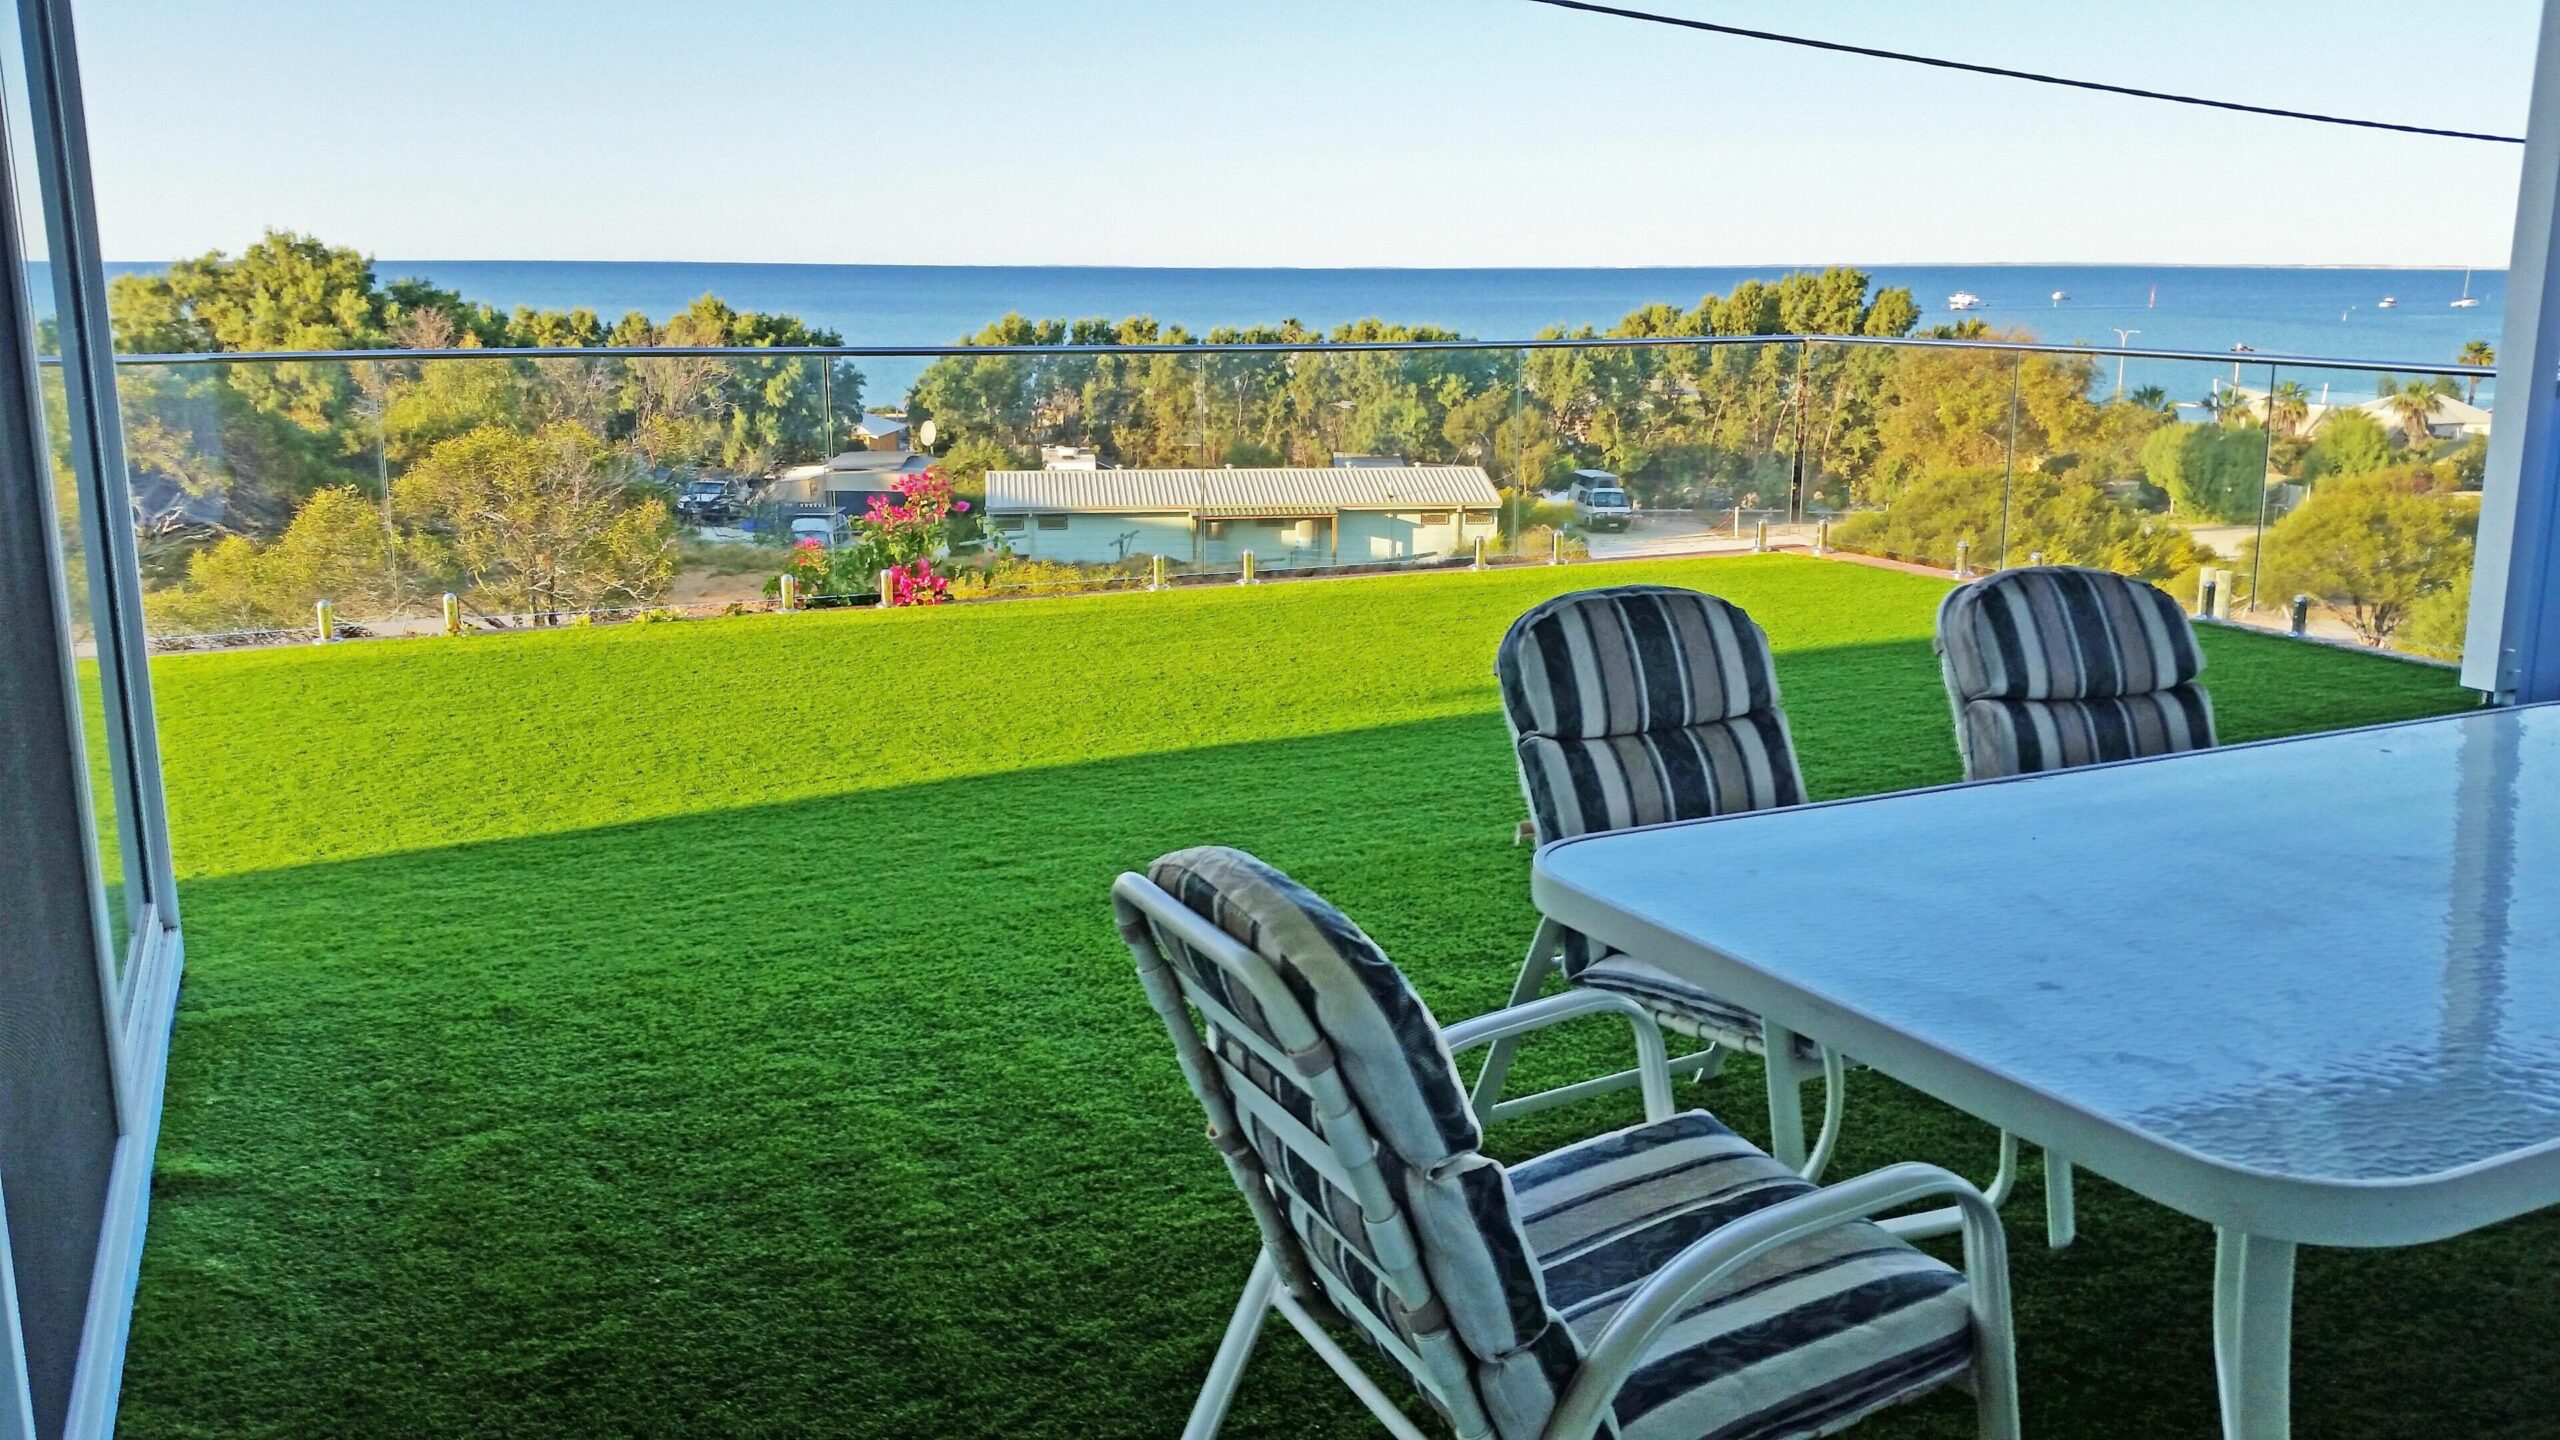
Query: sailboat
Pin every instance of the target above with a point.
(1964, 300)
(2155, 295)
(2468, 301)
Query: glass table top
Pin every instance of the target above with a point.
(2332, 958)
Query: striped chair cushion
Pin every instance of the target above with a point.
(1579, 786)
(1680, 1004)
(2026, 737)
(2057, 632)
(1517, 1352)
(1631, 659)
(1389, 1047)
(1802, 1342)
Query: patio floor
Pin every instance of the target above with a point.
(718, 1028)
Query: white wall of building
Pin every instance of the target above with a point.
(1366, 537)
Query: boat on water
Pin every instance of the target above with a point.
(2387, 302)
(2468, 301)
(1964, 300)
(2061, 295)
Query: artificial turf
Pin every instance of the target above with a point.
(718, 1028)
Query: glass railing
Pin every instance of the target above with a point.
(386, 492)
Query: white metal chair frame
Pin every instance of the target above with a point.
(1284, 1280)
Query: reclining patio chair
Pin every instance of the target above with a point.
(2050, 667)
(1661, 1282)
(1633, 705)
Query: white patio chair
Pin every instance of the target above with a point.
(1662, 1282)
(2050, 667)
(1634, 705)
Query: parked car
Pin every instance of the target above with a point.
(825, 529)
(707, 502)
(1599, 502)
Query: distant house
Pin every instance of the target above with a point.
(1213, 518)
(877, 431)
(1069, 457)
(845, 484)
(1368, 462)
(2451, 419)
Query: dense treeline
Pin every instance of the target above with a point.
(540, 484)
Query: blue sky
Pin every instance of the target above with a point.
(1293, 132)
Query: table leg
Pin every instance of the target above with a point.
(2253, 1335)
(1786, 1095)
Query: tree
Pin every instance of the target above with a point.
(338, 548)
(2412, 404)
(2368, 547)
(2348, 442)
(2288, 405)
(2212, 472)
(541, 523)
(2070, 521)
(2475, 352)
(2151, 397)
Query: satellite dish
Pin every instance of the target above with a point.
(924, 434)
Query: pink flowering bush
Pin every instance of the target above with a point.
(916, 584)
(903, 536)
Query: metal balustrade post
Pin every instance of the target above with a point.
(2301, 614)
(1760, 536)
(2204, 595)
(452, 613)
(787, 590)
(1247, 577)
(1155, 572)
(1822, 537)
(1964, 552)
(1479, 554)
(324, 617)
(888, 588)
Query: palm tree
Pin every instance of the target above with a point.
(2151, 397)
(2288, 405)
(2413, 403)
(2476, 352)
(2227, 405)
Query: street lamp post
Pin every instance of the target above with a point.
(2124, 339)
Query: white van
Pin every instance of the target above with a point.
(1599, 501)
(821, 528)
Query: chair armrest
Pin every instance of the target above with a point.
(1711, 1257)
(1653, 1060)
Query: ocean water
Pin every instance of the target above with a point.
(2272, 309)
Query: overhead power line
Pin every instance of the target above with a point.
(2038, 77)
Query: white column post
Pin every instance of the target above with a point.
(2513, 648)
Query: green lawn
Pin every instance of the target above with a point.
(718, 1028)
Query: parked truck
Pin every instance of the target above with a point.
(1599, 501)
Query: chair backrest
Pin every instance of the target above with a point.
(2054, 666)
(1637, 704)
(1335, 1103)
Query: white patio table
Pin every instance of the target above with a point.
(2307, 990)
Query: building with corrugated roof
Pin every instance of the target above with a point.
(1214, 518)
